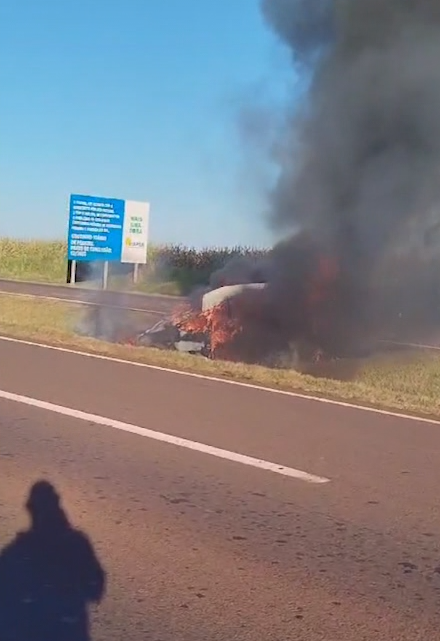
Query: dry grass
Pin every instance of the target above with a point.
(401, 383)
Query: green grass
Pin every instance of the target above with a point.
(399, 383)
(171, 269)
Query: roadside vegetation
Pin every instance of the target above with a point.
(171, 269)
(33, 260)
(408, 382)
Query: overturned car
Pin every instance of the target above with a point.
(241, 323)
(302, 313)
(207, 326)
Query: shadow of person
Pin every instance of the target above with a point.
(49, 574)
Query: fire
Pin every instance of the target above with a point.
(325, 275)
(223, 323)
(246, 325)
(217, 323)
(320, 297)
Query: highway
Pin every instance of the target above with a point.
(150, 303)
(214, 511)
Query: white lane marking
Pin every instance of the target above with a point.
(416, 345)
(77, 287)
(165, 438)
(225, 381)
(74, 301)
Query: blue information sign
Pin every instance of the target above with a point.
(95, 228)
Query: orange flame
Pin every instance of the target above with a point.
(216, 322)
(224, 322)
(320, 294)
(323, 278)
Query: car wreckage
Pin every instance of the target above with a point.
(239, 323)
(202, 328)
(265, 323)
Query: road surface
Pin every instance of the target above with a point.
(153, 304)
(200, 544)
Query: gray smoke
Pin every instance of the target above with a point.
(239, 269)
(361, 162)
(307, 26)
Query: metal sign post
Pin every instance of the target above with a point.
(136, 273)
(105, 275)
(72, 279)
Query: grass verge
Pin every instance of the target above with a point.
(399, 382)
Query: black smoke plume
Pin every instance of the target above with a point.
(361, 162)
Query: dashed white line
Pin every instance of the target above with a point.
(166, 438)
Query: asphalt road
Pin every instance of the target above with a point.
(154, 304)
(195, 547)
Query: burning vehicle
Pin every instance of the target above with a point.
(211, 328)
(244, 322)
(308, 307)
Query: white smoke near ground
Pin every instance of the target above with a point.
(107, 315)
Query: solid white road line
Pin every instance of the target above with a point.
(165, 438)
(225, 381)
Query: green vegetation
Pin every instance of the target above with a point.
(399, 383)
(33, 260)
(171, 269)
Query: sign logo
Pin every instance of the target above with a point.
(139, 244)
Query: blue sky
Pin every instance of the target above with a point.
(135, 99)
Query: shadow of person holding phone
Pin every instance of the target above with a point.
(49, 575)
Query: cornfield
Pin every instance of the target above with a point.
(176, 267)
